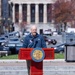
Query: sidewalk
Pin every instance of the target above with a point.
(50, 67)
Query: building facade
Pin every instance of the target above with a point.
(32, 11)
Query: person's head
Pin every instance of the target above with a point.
(33, 30)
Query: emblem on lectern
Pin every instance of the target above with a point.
(37, 55)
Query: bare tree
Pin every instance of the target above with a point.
(64, 11)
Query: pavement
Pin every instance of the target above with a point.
(50, 67)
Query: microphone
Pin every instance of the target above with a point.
(31, 43)
(36, 41)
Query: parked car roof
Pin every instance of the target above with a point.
(11, 34)
(3, 39)
(14, 40)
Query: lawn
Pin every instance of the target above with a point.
(10, 57)
(57, 56)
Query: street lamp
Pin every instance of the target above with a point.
(10, 16)
(0, 21)
(10, 24)
(0, 25)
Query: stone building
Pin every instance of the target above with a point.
(32, 12)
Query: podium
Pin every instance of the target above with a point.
(36, 67)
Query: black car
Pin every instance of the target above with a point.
(49, 41)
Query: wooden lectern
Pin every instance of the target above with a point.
(36, 68)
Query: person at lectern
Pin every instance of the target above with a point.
(33, 40)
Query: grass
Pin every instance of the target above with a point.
(57, 56)
(10, 57)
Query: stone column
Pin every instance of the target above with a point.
(28, 13)
(13, 14)
(20, 13)
(37, 13)
(45, 13)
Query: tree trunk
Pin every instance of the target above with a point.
(65, 25)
